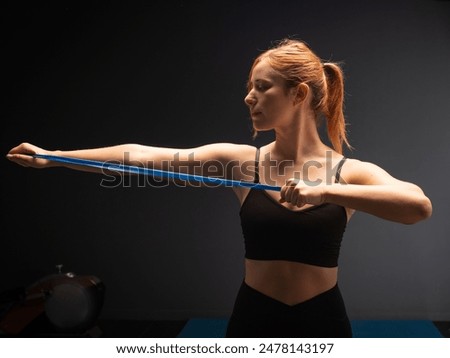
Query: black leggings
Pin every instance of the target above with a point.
(256, 315)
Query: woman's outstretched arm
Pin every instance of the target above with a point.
(226, 160)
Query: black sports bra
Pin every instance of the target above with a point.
(274, 232)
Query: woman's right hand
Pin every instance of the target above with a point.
(23, 155)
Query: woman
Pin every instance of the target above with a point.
(292, 238)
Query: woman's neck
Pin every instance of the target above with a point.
(300, 142)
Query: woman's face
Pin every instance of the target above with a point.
(270, 103)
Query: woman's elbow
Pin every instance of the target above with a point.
(422, 209)
(426, 208)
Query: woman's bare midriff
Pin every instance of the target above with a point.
(289, 282)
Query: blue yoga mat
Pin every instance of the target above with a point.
(204, 328)
(394, 329)
(215, 328)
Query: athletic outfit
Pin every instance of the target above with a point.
(312, 236)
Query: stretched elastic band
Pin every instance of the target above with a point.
(156, 172)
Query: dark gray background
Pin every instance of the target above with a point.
(173, 73)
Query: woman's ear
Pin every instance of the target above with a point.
(301, 92)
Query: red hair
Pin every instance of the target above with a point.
(297, 63)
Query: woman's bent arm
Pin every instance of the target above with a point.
(364, 187)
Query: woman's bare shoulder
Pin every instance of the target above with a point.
(357, 171)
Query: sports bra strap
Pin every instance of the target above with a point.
(338, 170)
(256, 166)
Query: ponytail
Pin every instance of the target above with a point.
(334, 106)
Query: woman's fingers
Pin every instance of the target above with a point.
(288, 191)
(23, 155)
(298, 193)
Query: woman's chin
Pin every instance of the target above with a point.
(261, 128)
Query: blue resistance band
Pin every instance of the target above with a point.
(156, 172)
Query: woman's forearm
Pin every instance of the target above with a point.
(403, 203)
(118, 153)
(123, 153)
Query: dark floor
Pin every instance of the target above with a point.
(443, 327)
(142, 329)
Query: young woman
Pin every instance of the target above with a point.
(292, 237)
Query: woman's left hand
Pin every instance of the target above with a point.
(298, 192)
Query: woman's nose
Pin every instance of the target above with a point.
(249, 99)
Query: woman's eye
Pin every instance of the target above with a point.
(261, 87)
